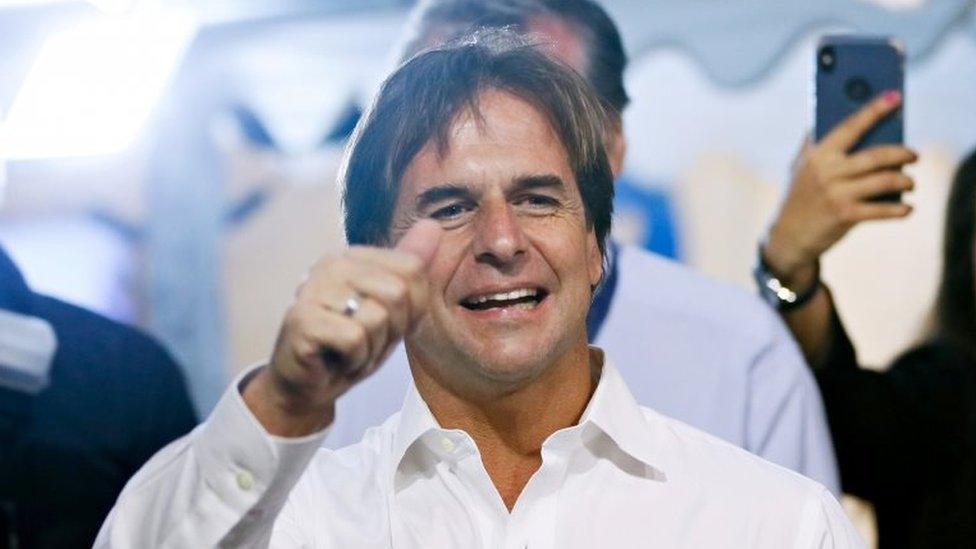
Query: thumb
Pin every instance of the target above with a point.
(421, 240)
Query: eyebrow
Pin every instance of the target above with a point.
(449, 191)
(532, 182)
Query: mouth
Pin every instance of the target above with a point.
(518, 298)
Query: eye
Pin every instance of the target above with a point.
(537, 201)
(451, 211)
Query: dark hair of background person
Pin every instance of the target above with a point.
(438, 21)
(955, 318)
(421, 99)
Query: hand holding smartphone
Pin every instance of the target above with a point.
(851, 71)
(852, 172)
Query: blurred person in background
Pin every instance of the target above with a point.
(84, 401)
(696, 349)
(905, 436)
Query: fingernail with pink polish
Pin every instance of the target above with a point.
(892, 97)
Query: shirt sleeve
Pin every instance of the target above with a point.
(786, 422)
(223, 484)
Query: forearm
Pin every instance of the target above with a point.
(810, 325)
(811, 322)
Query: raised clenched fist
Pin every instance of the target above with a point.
(348, 315)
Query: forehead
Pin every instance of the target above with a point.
(503, 137)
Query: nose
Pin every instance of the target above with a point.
(500, 240)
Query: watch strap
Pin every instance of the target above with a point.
(778, 294)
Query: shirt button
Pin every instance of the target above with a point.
(447, 444)
(245, 480)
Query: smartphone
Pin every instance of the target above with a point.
(851, 71)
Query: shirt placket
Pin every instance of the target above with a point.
(487, 503)
(532, 524)
(470, 483)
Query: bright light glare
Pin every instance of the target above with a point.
(107, 6)
(93, 87)
(113, 6)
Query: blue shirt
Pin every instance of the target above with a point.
(701, 351)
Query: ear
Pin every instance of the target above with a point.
(594, 259)
(617, 148)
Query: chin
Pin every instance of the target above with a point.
(509, 369)
(514, 361)
(500, 353)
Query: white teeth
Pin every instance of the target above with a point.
(505, 296)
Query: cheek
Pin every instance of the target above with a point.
(447, 263)
(563, 246)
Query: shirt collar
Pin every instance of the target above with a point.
(612, 410)
(416, 419)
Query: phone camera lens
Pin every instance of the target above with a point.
(827, 58)
(858, 90)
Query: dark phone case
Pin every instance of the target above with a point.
(878, 62)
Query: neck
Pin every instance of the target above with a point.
(510, 424)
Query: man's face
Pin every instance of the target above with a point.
(510, 282)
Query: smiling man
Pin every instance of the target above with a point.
(698, 350)
(479, 194)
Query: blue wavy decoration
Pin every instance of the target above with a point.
(739, 42)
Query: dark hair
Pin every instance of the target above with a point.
(955, 320)
(421, 99)
(436, 21)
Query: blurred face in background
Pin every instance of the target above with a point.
(563, 42)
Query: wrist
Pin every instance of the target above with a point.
(282, 409)
(783, 296)
(787, 262)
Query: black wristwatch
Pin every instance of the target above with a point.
(777, 294)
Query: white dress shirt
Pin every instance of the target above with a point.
(625, 476)
(701, 351)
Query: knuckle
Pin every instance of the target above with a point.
(324, 269)
(292, 320)
(357, 336)
(412, 264)
(341, 263)
(325, 262)
(305, 350)
(398, 292)
(376, 317)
